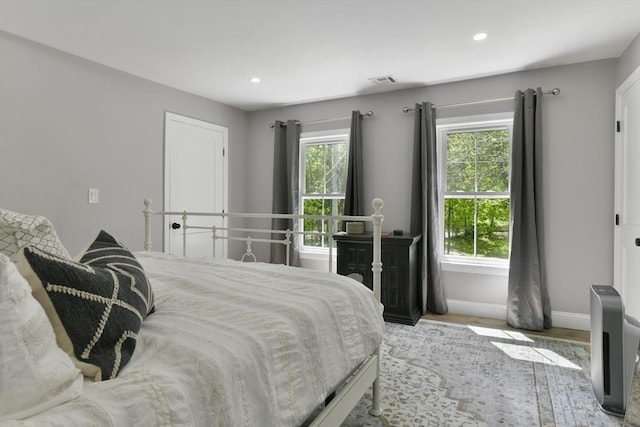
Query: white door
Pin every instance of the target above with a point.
(195, 181)
(627, 194)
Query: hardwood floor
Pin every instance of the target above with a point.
(564, 333)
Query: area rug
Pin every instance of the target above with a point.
(442, 374)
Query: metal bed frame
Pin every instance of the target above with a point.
(368, 373)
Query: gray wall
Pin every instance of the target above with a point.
(629, 60)
(578, 158)
(67, 124)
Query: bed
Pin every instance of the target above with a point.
(218, 342)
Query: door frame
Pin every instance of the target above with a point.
(633, 78)
(168, 117)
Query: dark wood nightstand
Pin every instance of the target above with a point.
(399, 287)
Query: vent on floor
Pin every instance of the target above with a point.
(383, 80)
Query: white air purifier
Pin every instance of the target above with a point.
(614, 349)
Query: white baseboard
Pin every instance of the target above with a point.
(560, 319)
(563, 319)
(469, 308)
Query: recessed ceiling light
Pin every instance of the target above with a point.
(255, 80)
(480, 36)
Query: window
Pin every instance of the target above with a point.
(474, 205)
(323, 176)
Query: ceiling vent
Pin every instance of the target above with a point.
(383, 80)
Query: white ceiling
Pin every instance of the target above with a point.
(308, 50)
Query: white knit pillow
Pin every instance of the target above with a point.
(18, 230)
(35, 374)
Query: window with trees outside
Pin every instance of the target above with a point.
(323, 176)
(474, 190)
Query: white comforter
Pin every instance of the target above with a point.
(233, 344)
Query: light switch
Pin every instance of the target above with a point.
(93, 195)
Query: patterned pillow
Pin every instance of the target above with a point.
(8, 244)
(96, 306)
(35, 374)
(19, 230)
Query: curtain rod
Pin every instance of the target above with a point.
(367, 114)
(554, 91)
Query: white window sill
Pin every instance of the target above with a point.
(493, 268)
(317, 255)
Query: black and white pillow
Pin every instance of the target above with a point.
(96, 305)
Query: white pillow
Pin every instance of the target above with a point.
(18, 230)
(35, 374)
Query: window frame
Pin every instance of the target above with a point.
(336, 136)
(460, 263)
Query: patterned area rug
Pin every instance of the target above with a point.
(442, 374)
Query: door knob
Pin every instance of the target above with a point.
(637, 241)
(175, 225)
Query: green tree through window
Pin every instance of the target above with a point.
(323, 177)
(476, 193)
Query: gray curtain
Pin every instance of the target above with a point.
(528, 305)
(285, 187)
(425, 218)
(354, 193)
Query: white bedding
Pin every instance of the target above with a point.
(232, 344)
